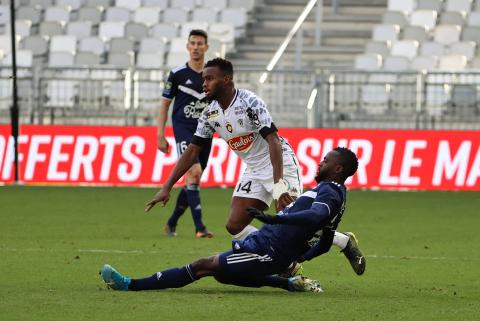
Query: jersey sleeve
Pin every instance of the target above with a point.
(204, 129)
(321, 213)
(170, 88)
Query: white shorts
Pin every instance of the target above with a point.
(258, 183)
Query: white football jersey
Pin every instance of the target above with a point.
(239, 125)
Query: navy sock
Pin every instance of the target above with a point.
(193, 195)
(172, 278)
(180, 207)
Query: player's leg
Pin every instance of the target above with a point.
(249, 192)
(182, 199)
(170, 278)
(238, 219)
(193, 192)
(193, 176)
(252, 270)
(351, 250)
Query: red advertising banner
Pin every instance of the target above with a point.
(100, 155)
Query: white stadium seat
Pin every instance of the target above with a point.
(404, 48)
(385, 32)
(447, 34)
(368, 62)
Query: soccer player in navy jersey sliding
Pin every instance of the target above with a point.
(184, 85)
(301, 231)
(242, 120)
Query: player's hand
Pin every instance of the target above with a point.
(283, 201)
(161, 197)
(163, 144)
(261, 216)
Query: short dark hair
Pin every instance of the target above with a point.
(348, 160)
(222, 64)
(198, 32)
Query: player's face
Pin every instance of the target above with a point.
(213, 82)
(197, 47)
(328, 166)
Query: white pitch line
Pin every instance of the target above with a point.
(372, 256)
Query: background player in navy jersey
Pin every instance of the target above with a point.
(302, 231)
(184, 85)
(242, 119)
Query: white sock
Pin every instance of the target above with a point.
(340, 240)
(244, 233)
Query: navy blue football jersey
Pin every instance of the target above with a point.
(304, 222)
(185, 85)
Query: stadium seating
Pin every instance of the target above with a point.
(108, 21)
(443, 30)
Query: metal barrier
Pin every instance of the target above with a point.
(346, 99)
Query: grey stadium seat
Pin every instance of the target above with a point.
(378, 47)
(368, 62)
(164, 30)
(427, 63)
(175, 15)
(415, 33)
(92, 44)
(396, 63)
(430, 5)
(34, 14)
(471, 34)
(50, 28)
(147, 15)
(447, 34)
(87, 59)
(395, 18)
(404, 48)
(117, 14)
(79, 29)
(432, 48)
(424, 18)
(92, 14)
(452, 18)
(123, 59)
(37, 44)
(121, 44)
(385, 32)
(136, 30)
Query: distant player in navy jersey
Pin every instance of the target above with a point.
(302, 231)
(242, 120)
(184, 85)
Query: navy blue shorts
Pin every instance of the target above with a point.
(249, 259)
(183, 136)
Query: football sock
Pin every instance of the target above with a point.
(340, 240)
(172, 278)
(193, 195)
(244, 233)
(180, 207)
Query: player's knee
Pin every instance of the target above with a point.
(234, 228)
(205, 266)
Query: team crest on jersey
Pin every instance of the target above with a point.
(241, 143)
(212, 114)
(229, 127)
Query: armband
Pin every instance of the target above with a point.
(279, 188)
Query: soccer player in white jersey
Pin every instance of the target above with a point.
(241, 118)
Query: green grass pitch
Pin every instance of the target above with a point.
(422, 259)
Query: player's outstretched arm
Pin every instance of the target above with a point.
(184, 163)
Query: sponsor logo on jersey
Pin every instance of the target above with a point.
(216, 124)
(212, 114)
(241, 143)
(229, 127)
(240, 122)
